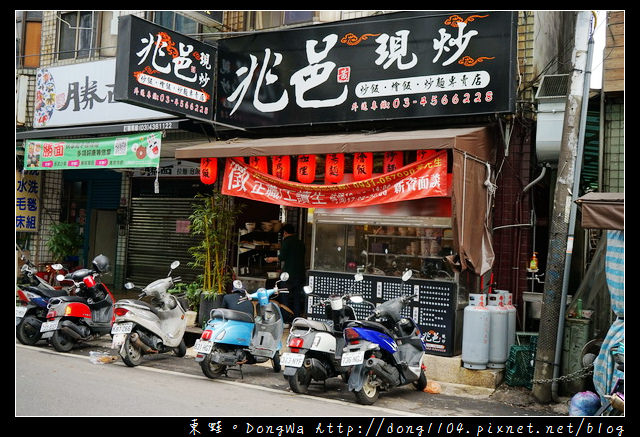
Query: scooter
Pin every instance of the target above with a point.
(233, 338)
(141, 328)
(384, 351)
(34, 293)
(316, 347)
(85, 316)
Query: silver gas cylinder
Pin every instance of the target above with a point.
(475, 333)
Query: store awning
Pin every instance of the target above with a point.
(475, 147)
(476, 141)
(602, 210)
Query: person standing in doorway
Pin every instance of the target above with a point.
(292, 254)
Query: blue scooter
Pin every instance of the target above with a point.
(233, 338)
(384, 351)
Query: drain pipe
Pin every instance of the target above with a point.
(536, 180)
(572, 219)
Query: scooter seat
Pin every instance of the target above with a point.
(140, 303)
(373, 325)
(72, 299)
(45, 292)
(232, 315)
(300, 323)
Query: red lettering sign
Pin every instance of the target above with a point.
(427, 178)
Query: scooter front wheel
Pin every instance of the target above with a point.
(369, 393)
(28, 331)
(130, 353)
(421, 383)
(62, 342)
(275, 362)
(210, 369)
(181, 350)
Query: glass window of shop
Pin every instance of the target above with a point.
(385, 240)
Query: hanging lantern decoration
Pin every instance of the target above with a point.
(362, 166)
(259, 163)
(208, 170)
(306, 168)
(333, 168)
(281, 166)
(392, 161)
(425, 154)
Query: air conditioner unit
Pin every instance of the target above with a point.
(552, 101)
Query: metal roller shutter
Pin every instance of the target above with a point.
(154, 242)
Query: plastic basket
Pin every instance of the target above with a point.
(520, 364)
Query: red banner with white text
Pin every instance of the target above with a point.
(427, 178)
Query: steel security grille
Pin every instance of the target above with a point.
(155, 242)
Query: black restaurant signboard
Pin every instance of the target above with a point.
(164, 70)
(411, 65)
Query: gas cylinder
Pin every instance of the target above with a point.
(511, 310)
(498, 330)
(475, 333)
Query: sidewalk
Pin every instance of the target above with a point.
(445, 371)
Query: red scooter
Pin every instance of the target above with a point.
(85, 316)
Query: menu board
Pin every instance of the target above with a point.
(434, 310)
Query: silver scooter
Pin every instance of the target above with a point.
(316, 346)
(141, 328)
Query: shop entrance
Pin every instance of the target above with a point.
(103, 238)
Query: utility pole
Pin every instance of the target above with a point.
(561, 230)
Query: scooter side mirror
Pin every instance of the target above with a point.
(56, 266)
(60, 278)
(307, 289)
(129, 286)
(358, 277)
(175, 264)
(284, 276)
(407, 275)
(356, 299)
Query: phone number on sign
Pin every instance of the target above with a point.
(434, 100)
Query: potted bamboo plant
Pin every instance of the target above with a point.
(213, 221)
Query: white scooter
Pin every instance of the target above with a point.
(141, 328)
(316, 346)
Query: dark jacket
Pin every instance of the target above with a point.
(292, 253)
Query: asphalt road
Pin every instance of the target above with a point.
(166, 385)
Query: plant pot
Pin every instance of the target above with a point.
(191, 317)
(206, 305)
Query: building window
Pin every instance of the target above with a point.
(176, 22)
(271, 19)
(77, 36)
(28, 32)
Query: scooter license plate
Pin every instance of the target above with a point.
(49, 326)
(203, 347)
(121, 328)
(291, 360)
(20, 312)
(352, 358)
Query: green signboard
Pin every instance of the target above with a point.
(128, 151)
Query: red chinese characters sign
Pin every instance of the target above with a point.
(420, 179)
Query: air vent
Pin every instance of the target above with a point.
(552, 100)
(553, 86)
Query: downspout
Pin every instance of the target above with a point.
(572, 219)
(536, 180)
